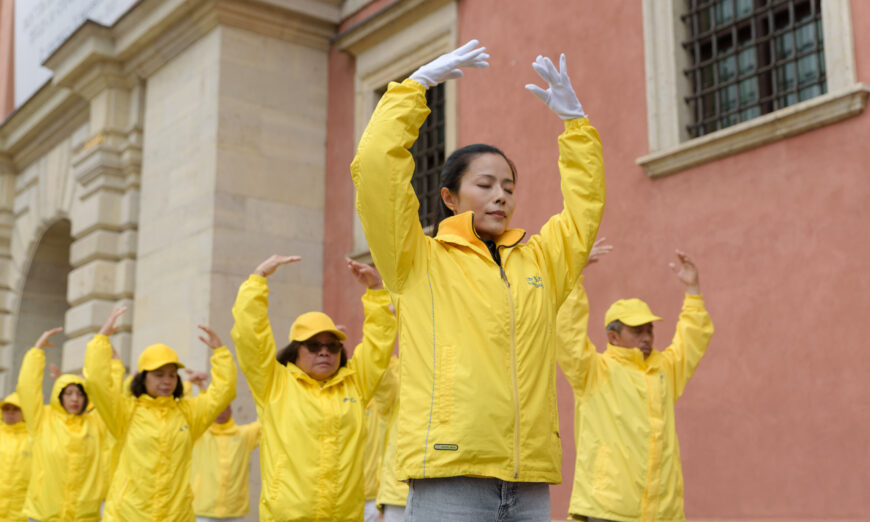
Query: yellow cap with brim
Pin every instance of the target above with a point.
(155, 356)
(310, 324)
(12, 399)
(632, 312)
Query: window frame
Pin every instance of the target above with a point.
(671, 149)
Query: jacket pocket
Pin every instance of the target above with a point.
(275, 485)
(445, 369)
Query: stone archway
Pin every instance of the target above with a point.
(43, 303)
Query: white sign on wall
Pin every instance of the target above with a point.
(41, 26)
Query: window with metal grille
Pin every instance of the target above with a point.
(751, 57)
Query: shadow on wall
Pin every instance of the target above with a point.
(43, 302)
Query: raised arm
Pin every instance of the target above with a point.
(385, 394)
(372, 356)
(222, 389)
(252, 331)
(694, 328)
(383, 167)
(566, 239)
(114, 408)
(30, 376)
(575, 352)
(252, 434)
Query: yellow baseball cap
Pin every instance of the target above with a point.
(156, 356)
(632, 312)
(12, 399)
(310, 324)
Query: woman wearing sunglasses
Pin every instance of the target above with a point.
(311, 399)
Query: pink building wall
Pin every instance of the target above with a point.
(7, 60)
(775, 422)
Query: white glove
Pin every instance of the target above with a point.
(447, 66)
(560, 97)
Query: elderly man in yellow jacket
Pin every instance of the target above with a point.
(628, 457)
(15, 459)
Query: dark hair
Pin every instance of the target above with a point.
(455, 167)
(615, 326)
(290, 353)
(81, 389)
(137, 385)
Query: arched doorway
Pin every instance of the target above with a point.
(43, 302)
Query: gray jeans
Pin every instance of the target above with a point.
(468, 499)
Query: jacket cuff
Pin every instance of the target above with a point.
(414, 84)
(693, 300)
(379, 296)
(576, 123)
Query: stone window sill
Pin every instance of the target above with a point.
(802, 117)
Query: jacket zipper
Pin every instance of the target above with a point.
(514, 375)
(516, 388)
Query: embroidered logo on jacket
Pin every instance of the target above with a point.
(447, 447)
(349, 399)
(536, 281)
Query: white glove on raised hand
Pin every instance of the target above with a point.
(447, 66)
(560, 97)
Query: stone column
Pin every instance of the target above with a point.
(105, 222)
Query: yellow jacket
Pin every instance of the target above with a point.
(71, 453)
(152, 479)
(15, 460)
(311, 455)
(221, 468)
(477, 341)
(392, 491)
(628, 457)
(377, 421)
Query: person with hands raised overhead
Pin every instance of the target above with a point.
(155, 426)
(628, 457)
(478, 423)
(71, 447)
(310, 398)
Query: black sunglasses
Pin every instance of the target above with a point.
(315, 346)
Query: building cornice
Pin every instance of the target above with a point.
(381, 25)
(35, 126)
(149, 35)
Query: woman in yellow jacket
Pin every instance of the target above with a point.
(15, 457)
(70, 445)
(222, 468)
(156, 427)
(628, 456)
(478, 424)
(311, 399)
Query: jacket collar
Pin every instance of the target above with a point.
(157, 402)
(18, 427)
(227, 428)
(459, 230)
(342, 374)
(631, 356)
